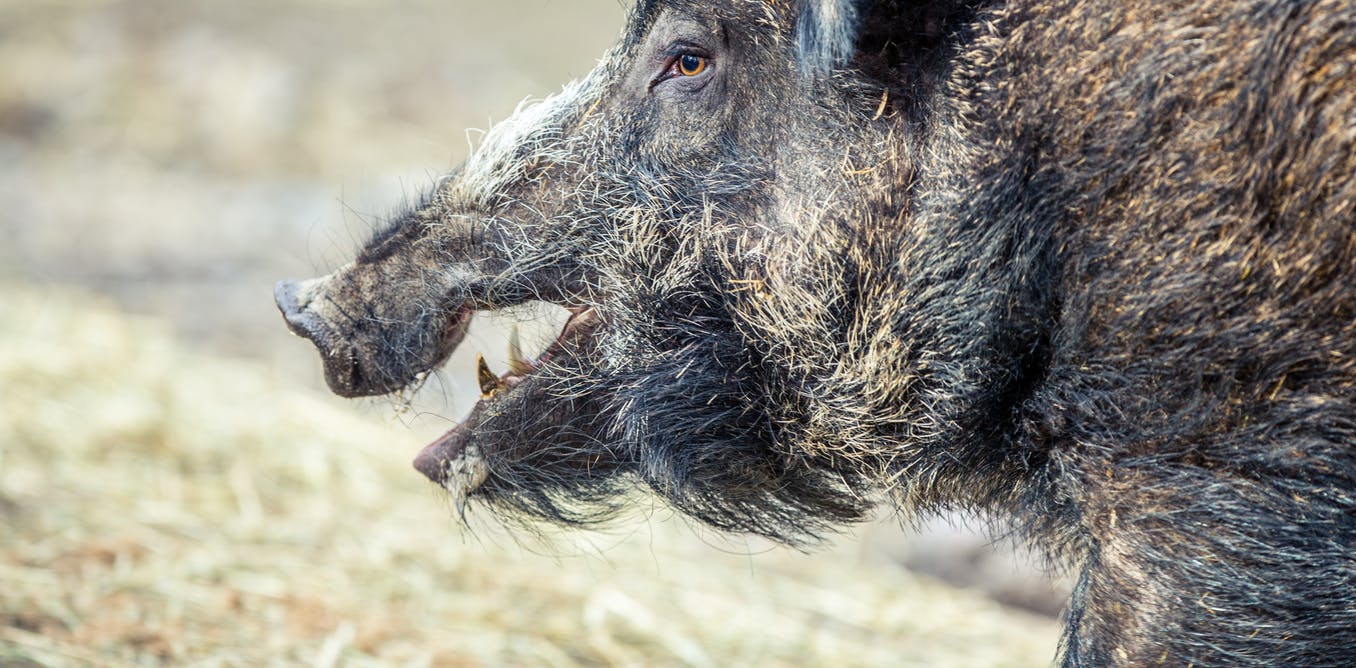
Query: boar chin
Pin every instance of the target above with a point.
(517, 411)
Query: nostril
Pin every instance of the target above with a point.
(343, 372)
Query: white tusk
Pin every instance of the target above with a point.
(518, 365)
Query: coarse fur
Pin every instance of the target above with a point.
(1084, 264)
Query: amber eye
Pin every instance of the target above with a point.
(690, 65)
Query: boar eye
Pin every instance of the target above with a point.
(690, 65)
(682, 62)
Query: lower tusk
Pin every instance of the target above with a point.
(489, 382)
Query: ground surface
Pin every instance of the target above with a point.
(162, 507)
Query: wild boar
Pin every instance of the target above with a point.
(1085, 264)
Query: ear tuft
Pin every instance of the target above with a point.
(826, 32)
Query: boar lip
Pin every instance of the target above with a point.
(433, 461)
(437, 459)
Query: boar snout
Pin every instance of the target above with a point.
(367, 356)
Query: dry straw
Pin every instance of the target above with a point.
(160, 507)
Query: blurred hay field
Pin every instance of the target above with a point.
(163, 507)
(176, 487)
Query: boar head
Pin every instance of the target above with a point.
(715, 204)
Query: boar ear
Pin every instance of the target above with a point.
(826, 32)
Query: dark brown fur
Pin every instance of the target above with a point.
(1084, 264)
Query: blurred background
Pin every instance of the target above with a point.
(177, 487)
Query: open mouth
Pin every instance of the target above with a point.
(454, 460)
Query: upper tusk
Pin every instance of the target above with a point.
(518, 365)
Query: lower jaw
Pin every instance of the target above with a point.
(451, 460)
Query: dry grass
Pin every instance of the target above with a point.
(164, 508)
